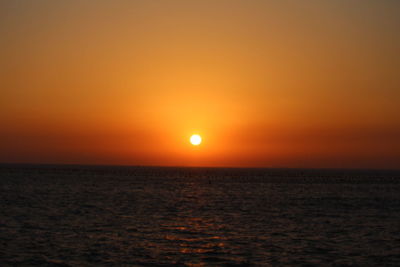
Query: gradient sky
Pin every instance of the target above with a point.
(266, 83)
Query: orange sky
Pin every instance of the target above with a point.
(266, 83)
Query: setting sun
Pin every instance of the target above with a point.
(195, 139)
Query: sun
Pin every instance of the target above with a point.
(195, 139)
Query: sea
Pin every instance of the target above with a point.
(70, 215)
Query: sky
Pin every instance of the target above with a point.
(265, 83)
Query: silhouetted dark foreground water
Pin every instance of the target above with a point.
(96, 216)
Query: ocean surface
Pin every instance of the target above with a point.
(152, 216)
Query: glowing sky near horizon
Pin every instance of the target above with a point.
(266, 83)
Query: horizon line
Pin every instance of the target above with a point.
(194, 166)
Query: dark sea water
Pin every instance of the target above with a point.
(142, 216)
